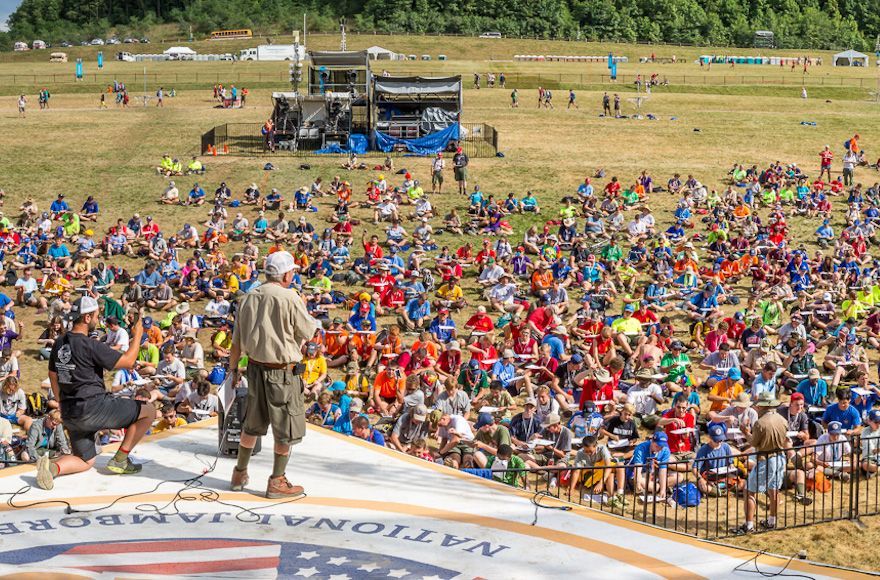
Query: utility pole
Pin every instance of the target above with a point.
(342, 45)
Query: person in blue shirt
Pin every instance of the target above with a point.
(362, 313)
(704, 304)
(530, 203)
(362, 429)
(417, 312)
(552, 338)
(272, 201)
(59, 253)
(196, 195)
(149, 277)
(864, 403)
(511, 204)
(89, 209)
(814, 389)
(648, 471)
(442, 327)
(504, 372)
(712, 456)
(844, 413)
(585, 190)
(59, 206)
(675, 232)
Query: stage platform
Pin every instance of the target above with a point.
(368, 513)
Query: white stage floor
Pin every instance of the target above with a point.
(369, 513)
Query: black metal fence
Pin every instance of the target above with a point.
(816, 483)
(247, 139)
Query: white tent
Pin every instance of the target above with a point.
(180, 52)
(850, 58)
(379, 53)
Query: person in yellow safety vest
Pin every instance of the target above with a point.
(415, 192)
(195, 166)
(176, 167)
(165, 165)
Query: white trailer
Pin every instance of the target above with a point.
(273, 52)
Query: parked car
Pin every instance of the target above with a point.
(113, 40)
(145, 40)
(97, 42)
(65, 44)
(491, 35)
(130, 40)
(84, 43)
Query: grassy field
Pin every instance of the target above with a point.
(77, 149)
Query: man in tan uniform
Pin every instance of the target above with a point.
(271, 326)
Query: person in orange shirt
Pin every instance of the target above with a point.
(426, 341)
(336, 344)
(361, 345)
(388, 390)
(542, 279)
(726, 390)
(391, 345)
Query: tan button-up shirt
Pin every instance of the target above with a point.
(272, 323)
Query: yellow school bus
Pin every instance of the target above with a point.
(224, 34)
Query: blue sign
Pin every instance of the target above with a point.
(79, 69)
(100, 59)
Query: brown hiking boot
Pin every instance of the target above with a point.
(239, 479)
(279, 487)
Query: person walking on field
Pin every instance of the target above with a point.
(22, 104)
(160, 97)
(571, 98)
(606, 105)
(459, 168)
(76, 366)
(616, 105)
(514, 99)
(271, 328)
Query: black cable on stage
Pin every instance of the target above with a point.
(537, 503)
(193, 484)
(778, 574)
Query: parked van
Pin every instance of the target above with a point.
(58, 57)
(491, 35)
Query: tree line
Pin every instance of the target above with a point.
(807, 24)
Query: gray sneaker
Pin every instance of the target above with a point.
(44, 472)
(123, 467)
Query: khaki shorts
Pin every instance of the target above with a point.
(275, 397)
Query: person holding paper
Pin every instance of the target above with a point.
(713, 463)
(870, 439)
(832, 452)
(596, 473)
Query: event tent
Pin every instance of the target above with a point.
(379, 53)
(180, 52)
(850, 58)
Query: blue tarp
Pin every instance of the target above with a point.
(357, 143)
(427, 145)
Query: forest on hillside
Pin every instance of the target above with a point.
(795, 23)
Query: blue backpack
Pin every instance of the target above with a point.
(217, 375)
(687, 495)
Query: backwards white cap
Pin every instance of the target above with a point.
(279, 263)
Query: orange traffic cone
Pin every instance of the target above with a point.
(225, 149)
(213, 151)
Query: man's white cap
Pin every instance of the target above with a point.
(827, 297)
(279, 263)
(84, 305)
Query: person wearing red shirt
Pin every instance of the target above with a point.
(825, 157)
(645, 315)
(449, 361)
(486, 253)
(383, 282)
(372, 247)
(541, 319)
(612, 189)
(480, 322)
(544, 374)
(525, 345)
(597, 388)
(465, 253)
(676, 418)
(735, 327)
(149, 229)
(484, 352)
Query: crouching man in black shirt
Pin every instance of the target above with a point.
(76, 372)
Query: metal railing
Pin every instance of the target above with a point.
(655, 493)
(247, 139)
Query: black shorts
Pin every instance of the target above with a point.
(102, 413)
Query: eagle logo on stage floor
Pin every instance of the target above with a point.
(227, 558)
